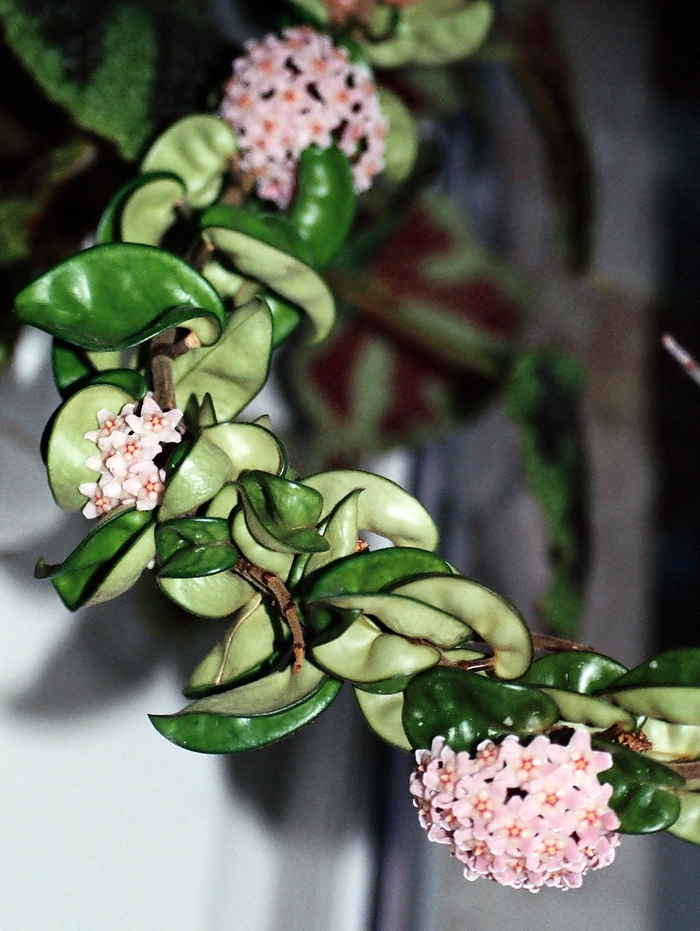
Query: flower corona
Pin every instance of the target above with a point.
(524, 816)
(128, 444)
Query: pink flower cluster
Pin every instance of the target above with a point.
(128, 444)
(291, 92)
(524, 816)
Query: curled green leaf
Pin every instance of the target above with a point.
(209, 731)
(383, 715)
(197, 149)
(383, 506)
(285, 275)
(107, 562)
(255, 638)
(433, 32)
(282, 515)
(66, 446)
(120, 295)
(233, 370)
(493, 618)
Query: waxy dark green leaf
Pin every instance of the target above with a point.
(80, 577)
(574, 670)
(285, 316)
(282, 515)
(645, 796)
(369, 572)
(119, 295)
(191, 547)
(218, 733)
(675, 668)
(324, 202)
(465, 709)
(667, 687)
(270, 228)
(284, 274)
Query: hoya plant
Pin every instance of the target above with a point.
(533, 753)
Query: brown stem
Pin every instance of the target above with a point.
(557, 644)
(161, 359)
(686, 770)
(272, 585)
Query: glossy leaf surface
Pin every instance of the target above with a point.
(119, 295)
(197, 149)
(257, 553)
(370, 572)
(232, 371)
(465, 709)
(408, 617)
(270, 228)
(87, 570)
(584, 709)
(383, 506)
(255, 637)
(209, 596)
(217, 458)
(324, 202)
(291, 279)
(574, 670)
(363, 653)
(282, 515)
(645, 796)
(383, 714)
(211, 732)
(67, 449)
(482, 610)
(190, 547)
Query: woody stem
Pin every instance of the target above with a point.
(273, 586)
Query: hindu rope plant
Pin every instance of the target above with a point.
(527, 768)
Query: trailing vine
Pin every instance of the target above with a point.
(528, 767)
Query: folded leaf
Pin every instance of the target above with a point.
(426, 34)
(119, 295)
(383, 714)
(233, 370)
(291, 279)
(217, 732)
(383, 506)
(493, 618)
(282, 515)
(254, 640)
(195, 546)
(197, 149)
(164, 189)
(364, 653)
(107, 562)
